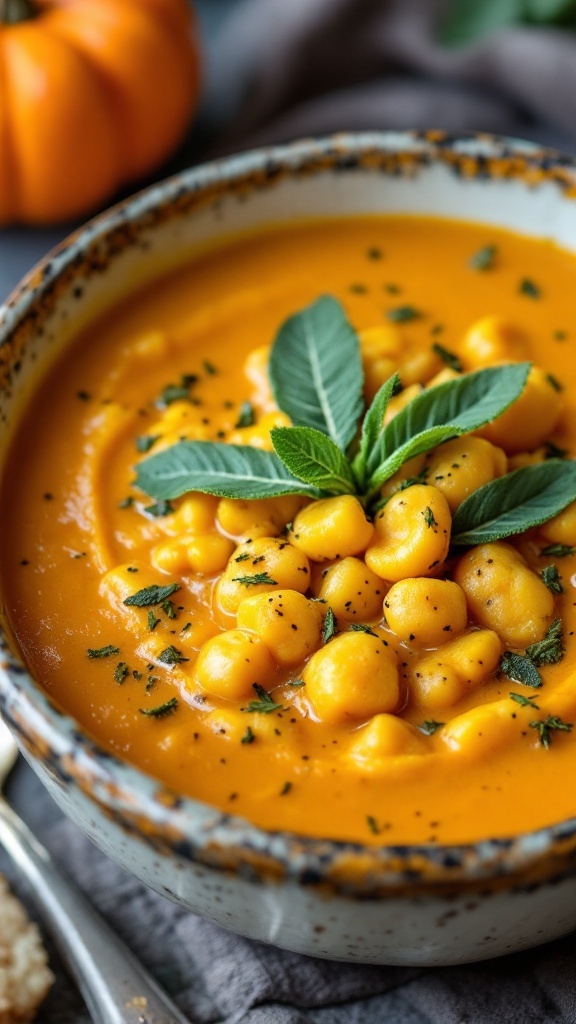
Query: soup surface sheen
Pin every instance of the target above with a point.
(174, 361)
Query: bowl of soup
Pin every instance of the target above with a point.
(288, 510)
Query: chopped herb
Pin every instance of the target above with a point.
(120, 672)
(295, 682)
(103, 652)
(429, 727)
(436, 329)
(258, 579)
(160, 508)
(209, 368)
(429, 517)
(151, 683)
(163, 709)
(372, 825)
(286, 788)
(374, 253)
(329, 629)
(136, 674)
(551, 577)
(169, 609)
(126, 502)
(359, 627)
(529, 288)
(553, 451)
(131, 568)
(560, 335)
(402, 314)
(246, 415)
(242, 557)
(554, 382)
(186, 627)
(152, 621)
(171, 656)
(484, 258)
(523, 701)
(146, 442)
(392, 288)
(548, 651)
(248, 736)
(557, 551)
(151, 595)
(521, 669)
(450, 358)
(265, 703)
(177, 392)
(548, 725)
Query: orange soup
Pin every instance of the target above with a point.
(327, 662)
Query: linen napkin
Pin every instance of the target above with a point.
(282, 69)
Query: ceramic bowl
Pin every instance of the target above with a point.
(423, 905)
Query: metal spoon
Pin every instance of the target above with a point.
(115, 986)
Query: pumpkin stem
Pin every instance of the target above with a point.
(14, 11)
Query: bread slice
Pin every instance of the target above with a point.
(25, 977)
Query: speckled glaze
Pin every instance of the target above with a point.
(424, 905)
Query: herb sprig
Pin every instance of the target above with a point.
(316, 376)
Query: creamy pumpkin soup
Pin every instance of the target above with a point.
(294, 530)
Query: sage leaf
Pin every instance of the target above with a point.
(515, 502)
(226, 470)
(521, 669)
(316, 371)
(373, 424)
(454, 408)
(314, 458)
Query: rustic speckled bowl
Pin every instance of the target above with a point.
(424, 905)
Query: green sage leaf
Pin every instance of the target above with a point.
(316, 372)
(373, 424)
(439, 413)
(226, 470)
(314, 458)
(515, 502)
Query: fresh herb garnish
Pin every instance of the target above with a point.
(448, 357)
(152, 621)
(102, 652)
(429, 517)
(126, 502)
(523, 701)
(469, 20)
(557, 551)
(402, 314)
(248, 736)
(246, 415)
(242, 557)
(529, 288)
(169, 609)
(286, 789)
(521, 669)
(209, 368)
(314, 353)
(429, 726)
(295, 682)
(359, 627)
(483, 259)
(146, 442)
(149, 596)
(160, 508)
(329, 629)
(550, 649)
(120, 672)
(171, 656)
(515, 502)
(257, 580)
(549, 725)
(163, 709)
(372, 825)
(552, 579)
(265, 703)
(554, 382)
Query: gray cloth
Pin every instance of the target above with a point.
(283, 68)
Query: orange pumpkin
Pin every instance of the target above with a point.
(93, 94)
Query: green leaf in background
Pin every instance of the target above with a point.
(373, 424)
(316, 371)
(314, 458)
(470, 20)
(226, 470)
(516, 502)
(447, 410)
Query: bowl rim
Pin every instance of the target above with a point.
(139, 804)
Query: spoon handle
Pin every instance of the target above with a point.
(115, 986)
